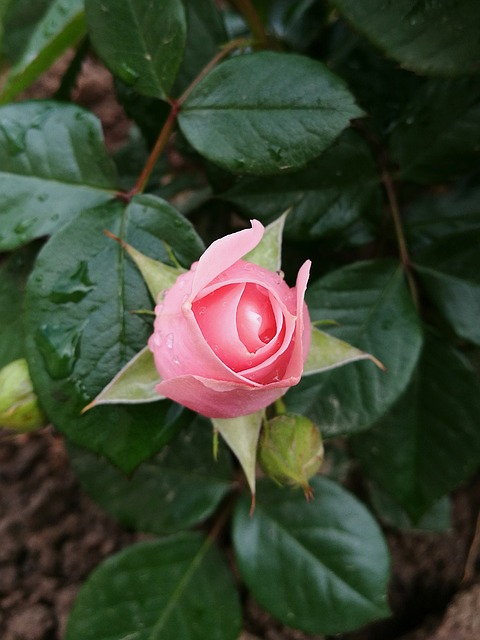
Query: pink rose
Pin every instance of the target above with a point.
(231, 337)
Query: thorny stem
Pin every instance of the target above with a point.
(402, 244)
(246, 8)
(176, 105)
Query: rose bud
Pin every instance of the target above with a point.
(19, 409)
(291, 451)
(230, 337)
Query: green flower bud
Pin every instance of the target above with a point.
(19, 409)
(291, 450)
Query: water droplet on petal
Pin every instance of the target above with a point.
(169, 341)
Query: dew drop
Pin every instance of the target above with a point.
(169, 341)
(129, 75)
(24, 225)
(72, 288)
(14, 136)
(59, 348)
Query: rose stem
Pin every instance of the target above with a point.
(246, 8)
(402, 243)
(176, 105)
(388, 184)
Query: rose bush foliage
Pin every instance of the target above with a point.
(365, 126)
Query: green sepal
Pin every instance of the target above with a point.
(241, 435)
(327, 352)
(134, 383)
(158, 276)
(268, 253)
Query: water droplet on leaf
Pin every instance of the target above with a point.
(72, 288)
(59, 349)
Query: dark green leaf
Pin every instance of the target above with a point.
(438, 518)
(438, 136)
(372, 304)
(53, 164)
(439, 38)
(177, 588)
(183, 482)
(20, 19)
(321, 566)
(61, 27)
(206, 34)
(297, 22)
(381, 87)
(430, 441)
(331, 195)
(142, 42)
(13, 276)
(82, 329)
(439, 215)
(266, 112)
(450, 271)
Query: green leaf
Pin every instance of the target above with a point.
(183, 482)
(296, 22)
(450, 271)
(176, 587)
(437, 519)
(336, 193)
(435, 216)
(142, 42)
(81, 329)
(327, 352)
(241, 434)
(319, 566)
(158, 276)
(266, 112)
(134, 383)
(13, 276)
(381, 87)
(371, 303)
(53, 164)
(429, 442)
(268, 253)
(438, 38)
(438, 135)
(61, 27)
(206, 34)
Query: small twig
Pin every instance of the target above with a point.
(238, 43)
(402, 243)
(246, 8)
(167, 128)
(157, 150)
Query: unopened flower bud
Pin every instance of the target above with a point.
(291, 450)
(19, 409)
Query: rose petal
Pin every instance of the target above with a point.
(216, 316)
(303, 334)
(219, 399)
(224, 252)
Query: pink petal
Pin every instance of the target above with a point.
(216, 316)
(224, 252)
(303, 334)
(219, 399)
